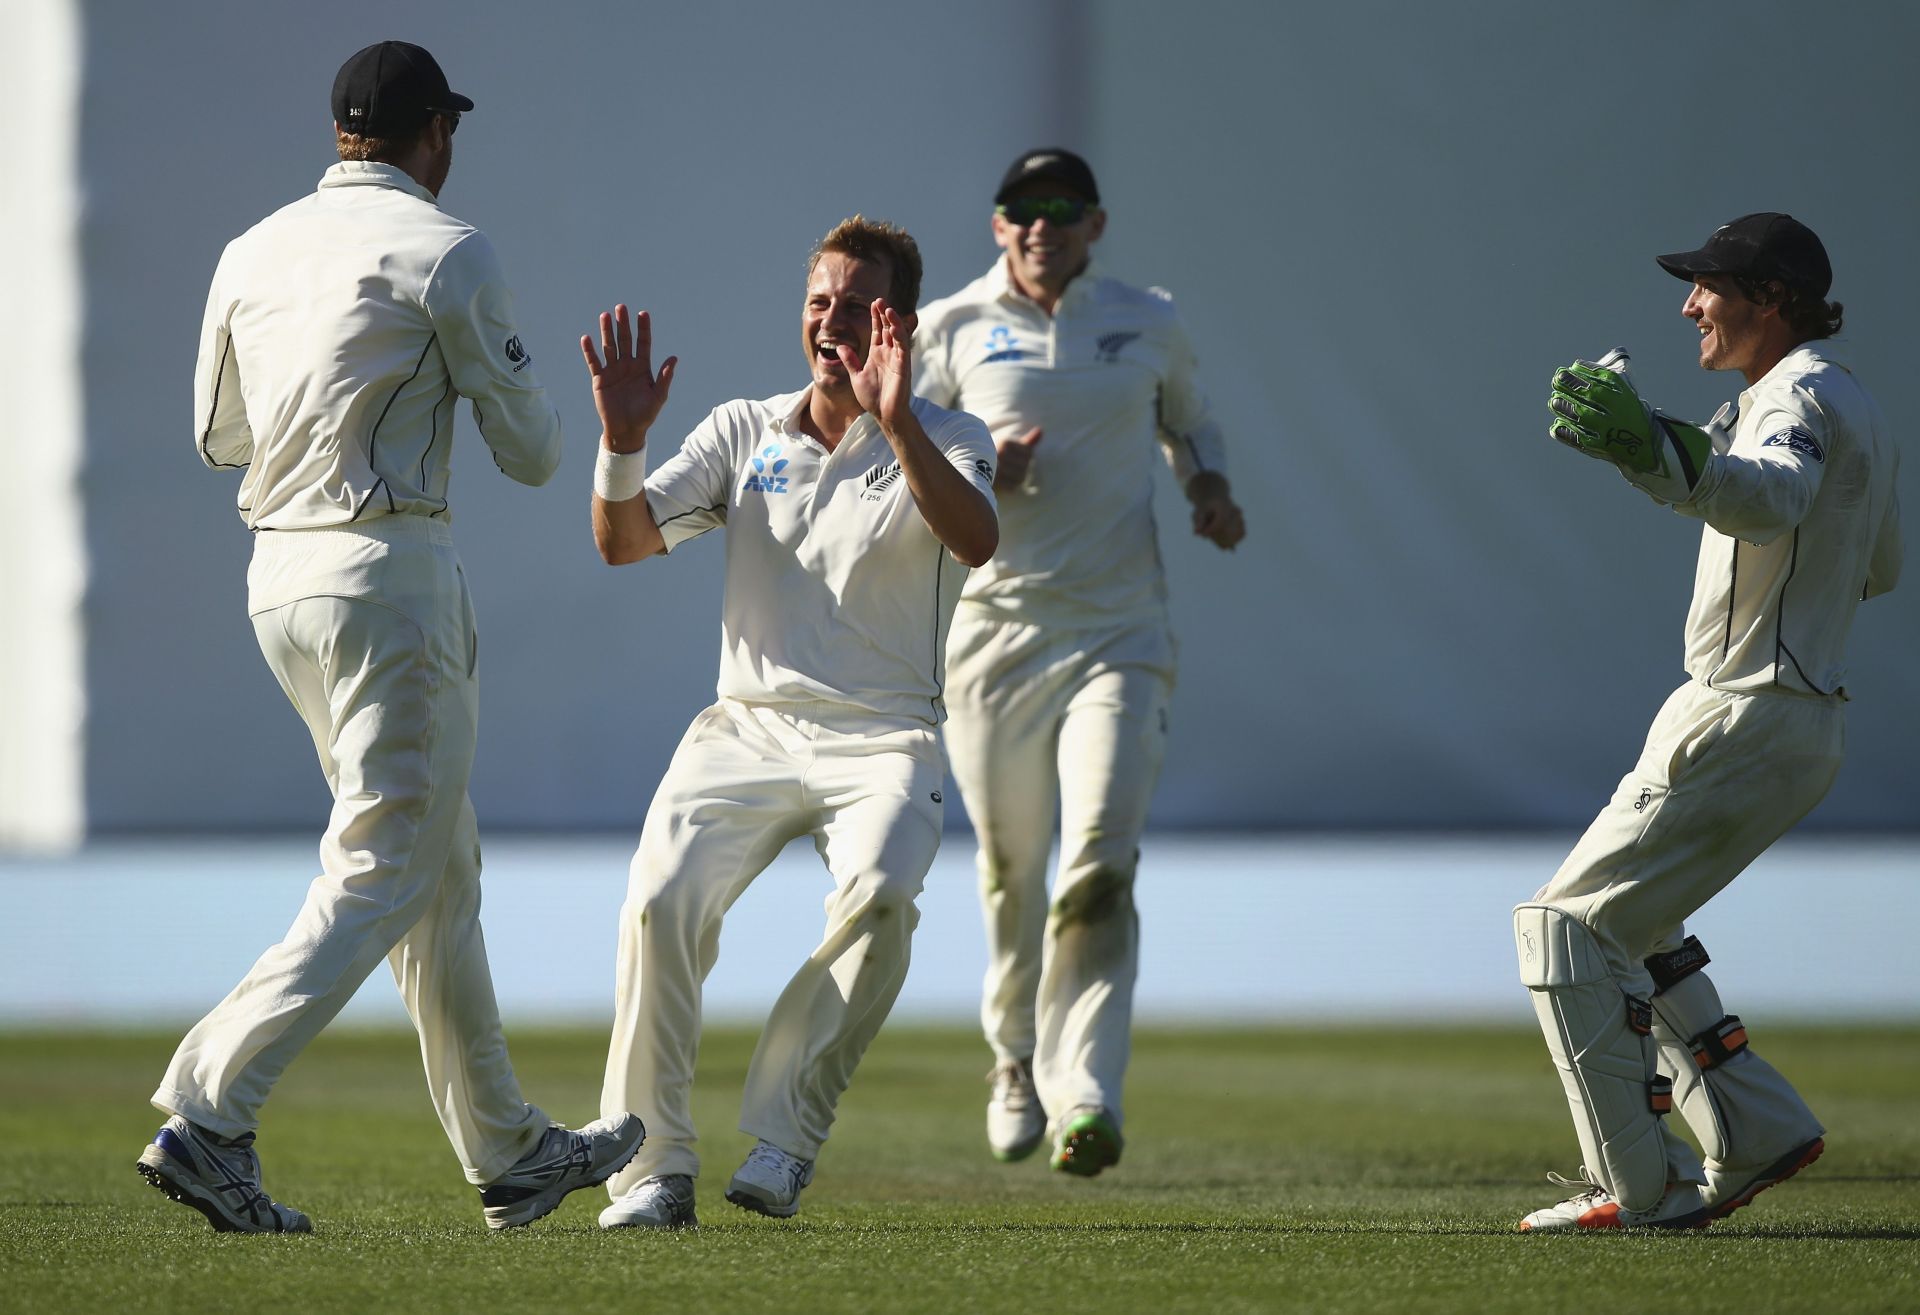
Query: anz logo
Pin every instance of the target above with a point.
(1003, 346)
(766, 477)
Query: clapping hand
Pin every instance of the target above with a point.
(884, 385)
(626, 392)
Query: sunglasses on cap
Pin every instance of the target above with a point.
(1025, 210)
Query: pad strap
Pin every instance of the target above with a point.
(1719, 1043)
(1660, 1095)
(1670, 967)
(1640, 1016)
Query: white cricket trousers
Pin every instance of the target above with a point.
(370, 632)
(747, 779)
(1037, 715)
(1722, 776)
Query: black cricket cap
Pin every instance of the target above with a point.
(390, 89)
(1767, 245)
(1055, 165)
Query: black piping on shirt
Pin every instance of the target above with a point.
(219, 377)
(1780, 624)
(434, 419)
(374, 436)
(1733, 581)
(939, 649)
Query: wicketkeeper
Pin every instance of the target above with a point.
(1794, 481)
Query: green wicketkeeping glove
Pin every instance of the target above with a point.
(1598, 413)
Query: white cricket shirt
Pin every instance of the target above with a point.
(836, 590)
(1802, 523)
(1110, 377)
(338, 333)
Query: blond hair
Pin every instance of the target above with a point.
(380, 150)
(860, 238)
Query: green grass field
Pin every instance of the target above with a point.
(1267, 1170)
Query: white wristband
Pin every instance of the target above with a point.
(620, 476)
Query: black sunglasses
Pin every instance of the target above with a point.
(1023, 211)
(452, 117)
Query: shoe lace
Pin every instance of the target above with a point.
(559, 1152)
(674, 1187)
(239, 1169)
(766, 1155)
(1013, 1083)
(1589, 1189)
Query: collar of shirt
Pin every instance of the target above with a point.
(372, 173)
(1000, 283)
(1798, 362)
(787, 423)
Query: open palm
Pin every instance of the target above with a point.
(626, 391)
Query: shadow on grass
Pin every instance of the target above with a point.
(829, 1229)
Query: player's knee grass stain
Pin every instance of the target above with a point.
(1096, 899)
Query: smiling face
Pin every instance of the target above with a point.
(1044, 256)
(1734, 331)
(840, 293)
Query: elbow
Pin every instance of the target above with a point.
(618, 550)
(1761, 530)
(614, 553)
(536, 473)
(979, 551)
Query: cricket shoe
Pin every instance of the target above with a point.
(219, 1177)
(564, 1160)
(1088, 1141)
(1016, 1125)
(663, 1201)
(769, 1182)
(1728, 1190)
(1594, 1208)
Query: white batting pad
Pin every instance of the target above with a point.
(1601, 1042)
(1742, 1110)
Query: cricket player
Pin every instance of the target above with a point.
(853, 511)
(337, 333)
(1794, 481)
(1062, 661)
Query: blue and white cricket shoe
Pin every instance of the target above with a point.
(219, 1177)
(769, 1183)
(564, 1160)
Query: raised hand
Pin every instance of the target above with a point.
(626, 392)
(1597, 412)
(1015, 457)
(884, 385)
